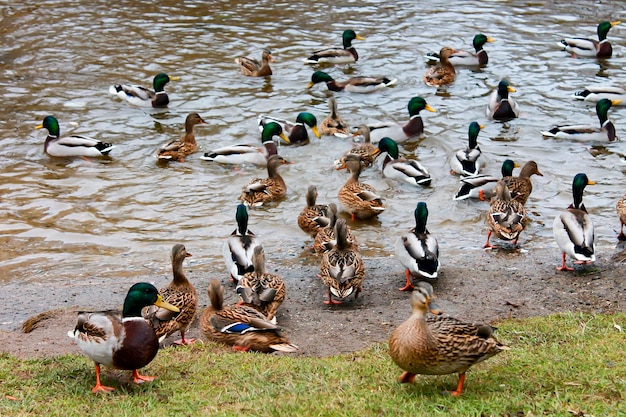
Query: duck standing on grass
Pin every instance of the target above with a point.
(181, 294)
(179, 149)
(123, 341)
(573, 228)
(73, 145)
(144, 97)
(439, 345)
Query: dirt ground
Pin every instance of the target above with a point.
(484, 286)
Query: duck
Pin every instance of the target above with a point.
(468, 161)
(362, 84)
(621, 213)
(180, 293)
(573, 228)
(400, 168)
(345, 55)
(325, 238)
(342, 269)
(606, 131)
(437, 345)
(521, 186)
(506, 217)
(253, 68)
(333, 124)
(357, 198)
(313, 217)
(402, 132)
(239, 246)
(250, 153)
(595, 93)
(482, 187)
(365, 150)
(259, 191)
(178, 149)
(442, 74)
(137, 95)
(502, 107)
(418, 250)
(260, 289)
(69, 146)
(242, 327)
(296, 132)
(585, 47)
(468, 58)
(121, 341)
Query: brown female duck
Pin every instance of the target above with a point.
(179, 149)
(621, 213)
(263, 190)
(333, 124)
(357, 198)
(313, 217)
(253, 68)
(442, 74)
(439, 345)
(521, 186)
(325, 237)
(506, 217)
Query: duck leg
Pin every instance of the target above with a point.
(621, 235)
(182, 340)
(99, 387)
(330, 300)
(408, 286)
(406, 378)
(459, 388)
(488, 245)
(140, 379)
(563, 267)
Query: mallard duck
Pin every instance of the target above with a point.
(179, 293)
(439, 345)
(502, 107)
(468, 161)
(242, 327)
(596, 93)
(73, 145)
(621, 213)
(468, 58)
(263, 190)
(418, 250)
(179, 149)
(261, 290)
(590, 47)
(239, 247)
(573, 228)
(395, 166)
(144, 97)
(342, 269)
(325, 237)
(506, 217)
(253, 68)
(252, 154)
(401, 133)
(313, 216)
(362, 84)
(296, 132)
(442, 74)
(345, 55)
(333, 124)
(589, 132)
(365, 150)
(357, 198)
(521, 186)
(123, 341)
(483, 187)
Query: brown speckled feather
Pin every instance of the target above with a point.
(263, 190)
(261, 290)
(357, 198)
(178, 149)
(313, 217)
(521, 186)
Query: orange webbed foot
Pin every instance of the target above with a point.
(406, 378)
(140, 379)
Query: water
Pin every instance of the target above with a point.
(70, 223)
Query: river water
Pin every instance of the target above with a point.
(72, 222)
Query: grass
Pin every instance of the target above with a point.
(562, 365)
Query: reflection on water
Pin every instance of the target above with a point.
(107, 218)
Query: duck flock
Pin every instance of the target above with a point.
(424, 344)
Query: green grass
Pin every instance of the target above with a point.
(562, 365)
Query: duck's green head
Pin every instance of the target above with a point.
(416, 105)
(348, 36)
(474, 129)
(603, 106)
(273, 129)
(319, 77)
(309, 120)
(141, 295)
(242, 219)
(160, 80)
(421, 217)
(388, 145)
(52, 124)
(604, 27)
(480, 40)
(578, 185)
(504, 88)
(507, 167)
